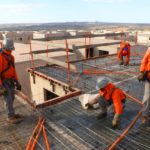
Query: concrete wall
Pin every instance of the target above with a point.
(37, 89)
(63, 58)
(112, 49)
(80, 53)
(143, 39)
(38, 35)
(58, 34)
(84, 33)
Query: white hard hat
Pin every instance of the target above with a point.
(102, 82)
(8, 44)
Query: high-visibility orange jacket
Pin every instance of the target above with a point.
(145, 63)
(5, 58)
(123, 45)
(116, 95)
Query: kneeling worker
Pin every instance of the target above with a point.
(124, 52)
(109, 94)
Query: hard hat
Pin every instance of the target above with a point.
(102, 82)
(8, 44)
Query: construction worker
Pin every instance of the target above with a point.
(8, 79)
(144, 76)
(124, 52)
(109, 95)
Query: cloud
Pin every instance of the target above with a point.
(20, 8)
(108, 1)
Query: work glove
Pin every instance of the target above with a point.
(116, 120)
(141, 76)
(89, 107)
(2, 90)
(18, 86)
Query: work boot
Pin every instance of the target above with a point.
(102, 115)
(17, 116)
(126, 64)
(13, 120)
(144, 120)
(121, 63)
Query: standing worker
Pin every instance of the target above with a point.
(109, 94)
(8, 79)
(144, 76)
(124, 52)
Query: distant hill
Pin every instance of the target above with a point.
(67, 25)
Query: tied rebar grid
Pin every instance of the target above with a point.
(81, 131)
(82, 125)
(79, 126)
(87, 83)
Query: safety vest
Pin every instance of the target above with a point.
(10, 62)
(7, 67)
(116, 96)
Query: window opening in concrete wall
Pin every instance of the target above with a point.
(101, 52)
(90, 52)
(53, 90)
(49, 95)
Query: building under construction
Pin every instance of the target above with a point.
(53, 115)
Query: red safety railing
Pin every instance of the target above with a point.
(126, 131)
(39, 128)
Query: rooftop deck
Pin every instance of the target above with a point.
(68, 125)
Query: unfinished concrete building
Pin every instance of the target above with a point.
(20, 37)
(56, 87)
(47, 34)
(84, 45)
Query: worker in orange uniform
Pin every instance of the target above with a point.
(124, 52)
(109, 95)
(8, 79)
(144, 76)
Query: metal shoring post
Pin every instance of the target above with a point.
(33, 65)
(67, 61)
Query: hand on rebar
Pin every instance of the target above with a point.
(141, 76)
(89, 107)
(116, 121)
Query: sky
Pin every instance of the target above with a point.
(48, 11)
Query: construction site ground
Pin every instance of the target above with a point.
(68, 125)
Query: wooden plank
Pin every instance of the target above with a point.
(48, 51)
(92, 58)
(97, 45)
(54, 61)
(57, 100)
